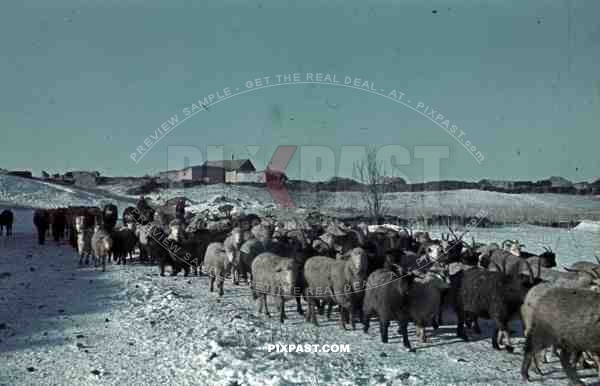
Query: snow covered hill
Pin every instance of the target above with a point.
(500, 207)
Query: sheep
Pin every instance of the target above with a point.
(110, 216)
(58, 221)
(154, 241)
(248, 252)
(7, 219)
(217, 263)
(587, 266)
(548, 258)
(124, 242)
(84, 239)
(191, 247)
(130, 215)
(387, 297)
(500, 256)
(425, 300)
(102, 245)
(276, 276)
(337, 280)
(567, 318)
(41, 220)
(490, 294)
(421, 262)
(232, 246)
(583, 280)
(143, 235)
(512, 246)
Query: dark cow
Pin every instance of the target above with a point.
(7, 219)
(41, 220)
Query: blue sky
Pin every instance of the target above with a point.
(83, 84)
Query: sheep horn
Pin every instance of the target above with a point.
(505, 242)
(579, 271)
(597, 258)
(596, 270)
(453, 234)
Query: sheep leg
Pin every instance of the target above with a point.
(500, 334)
(220, 285)
(103, 263)
(329, 309)
(266, 307)
(282, 316)
(565, 361)
(405, 341)
(236, 276)
(211, 283)
(260, 305)
(420, 329)
(528, 357)
(299, 309)
(313, 303)
(321, 307)
(460, 326)
(596, 359)
(366, 320)
(536, 362)
(314, 314)
(342, 320)
(383, 330)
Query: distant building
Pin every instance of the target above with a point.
(81, 178)
(560, 182)
(211, 171)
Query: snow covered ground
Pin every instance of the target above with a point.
(64, 325)
(501, 207)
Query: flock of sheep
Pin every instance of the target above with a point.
(367, 271)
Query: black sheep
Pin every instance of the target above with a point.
(495, 295)
(7, 219)
(58, 222)
(159, 246)
(41, 220)
(110, 216)
(566, 318)
(387, 297)
(124, 242)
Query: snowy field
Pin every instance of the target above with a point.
(64, 325)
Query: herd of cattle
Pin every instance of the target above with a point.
(384, 271)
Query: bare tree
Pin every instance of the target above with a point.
(369, 173)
